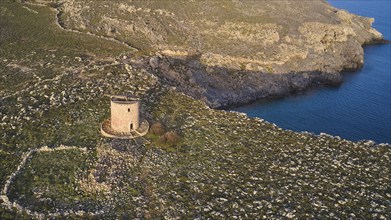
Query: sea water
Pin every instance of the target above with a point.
(360, 109)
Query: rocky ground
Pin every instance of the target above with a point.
(253, 50)
(225, 165)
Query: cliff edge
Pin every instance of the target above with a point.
(232, 52)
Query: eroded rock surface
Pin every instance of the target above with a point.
(274, 47)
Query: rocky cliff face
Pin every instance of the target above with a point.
(240, 50)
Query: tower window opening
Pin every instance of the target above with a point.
(128, 109)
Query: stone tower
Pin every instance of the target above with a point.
(124, 113)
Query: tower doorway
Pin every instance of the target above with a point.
(131, 126)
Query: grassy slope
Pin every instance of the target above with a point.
(54, 172)
(33, 41)
(225, 165)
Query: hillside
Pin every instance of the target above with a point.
(55, 164)
(243, 50)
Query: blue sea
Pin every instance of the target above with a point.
(360, 109)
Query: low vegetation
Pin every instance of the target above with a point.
(48, 183)
(157, 129)
(201, 162)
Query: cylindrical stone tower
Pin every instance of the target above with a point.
(124, 113)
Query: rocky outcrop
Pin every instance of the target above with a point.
(222, 88)
(246, 50)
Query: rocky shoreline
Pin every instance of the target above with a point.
(231, 60)
(226, 165)
(223, 88)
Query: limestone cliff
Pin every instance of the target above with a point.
(225, 165)
(244, 50)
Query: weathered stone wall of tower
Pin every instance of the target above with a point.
(124, 115)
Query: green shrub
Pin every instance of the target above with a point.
(157, 129)
(170, 137)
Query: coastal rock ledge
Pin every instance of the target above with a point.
(253, 50)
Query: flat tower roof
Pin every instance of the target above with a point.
(124, 99)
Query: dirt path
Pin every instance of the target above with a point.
(57, 21)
